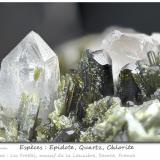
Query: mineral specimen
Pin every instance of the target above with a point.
(106, 120)
(39, 105)
(124, 48)
(139, 80)
(147, 75)
(31, 67)
(117, 123)
(65, 135)
(127, 88)
(27, 116)
(143, 122)
(80, 87)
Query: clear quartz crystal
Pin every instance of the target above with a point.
(31, 67)
(124, 48)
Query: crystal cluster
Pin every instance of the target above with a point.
(110, 121)
(124, 48)
(110, 93)
(141, 82)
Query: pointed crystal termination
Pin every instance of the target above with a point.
(32, 67)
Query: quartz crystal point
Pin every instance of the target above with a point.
(32, 67)
(124, 48)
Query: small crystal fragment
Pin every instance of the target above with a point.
(65, 135)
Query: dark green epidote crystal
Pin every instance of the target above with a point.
(140, 86)
(148, 78)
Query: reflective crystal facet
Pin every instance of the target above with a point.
(31, 67)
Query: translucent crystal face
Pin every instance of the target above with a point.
(32, 67)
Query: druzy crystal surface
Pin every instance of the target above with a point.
(32, 67)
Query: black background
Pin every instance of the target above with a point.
(59, 22)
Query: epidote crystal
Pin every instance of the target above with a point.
(32, 67)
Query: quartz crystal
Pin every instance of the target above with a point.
(124, 48)
(32, 67)
(27, 116)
